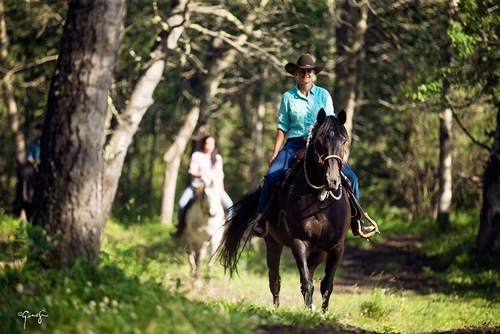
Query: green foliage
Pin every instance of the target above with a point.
(395, 148)
(394, 151)
(142, 285)
(375, 305)
(463, 43)
(105, 299)
(33, 33)
(476, 37)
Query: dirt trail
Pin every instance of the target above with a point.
(393, 264)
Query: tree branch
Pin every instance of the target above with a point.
(228, 38)
(220, 12)
(379, 101)
(455, 116)
(8, 73)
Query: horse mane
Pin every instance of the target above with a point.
(331, 123)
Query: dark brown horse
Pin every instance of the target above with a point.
(310, 214)
(25, 189)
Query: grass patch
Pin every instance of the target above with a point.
(142, 285)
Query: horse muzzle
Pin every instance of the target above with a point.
(333, 183)
(332, 166)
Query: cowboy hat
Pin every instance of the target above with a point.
(305, 62)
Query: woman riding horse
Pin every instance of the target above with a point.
(206, 164)
(298, 110)
(311, 213)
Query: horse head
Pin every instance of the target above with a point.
(211, 198)
(329, 142)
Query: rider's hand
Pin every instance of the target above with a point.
(271, 159)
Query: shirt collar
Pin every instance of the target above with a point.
(298, 93)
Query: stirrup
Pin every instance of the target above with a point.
(259, 227)
(372, 232)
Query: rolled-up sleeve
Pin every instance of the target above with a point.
(194, 165)
(283, 114)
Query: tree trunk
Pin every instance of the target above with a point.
(489, 228)
(156, 131)
(140, 100)
(445, 138)
(350, 46)
(330, 46)
(445, 169)
(258, 134)
(215, 72)
(172, 160)
(68, 196)
(8, 91)
(200, 114)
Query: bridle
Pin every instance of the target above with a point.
(321, 161)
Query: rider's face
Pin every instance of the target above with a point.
(209, 145)
(305, 75)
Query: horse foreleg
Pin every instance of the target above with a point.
(332, 263)
(314, 260)
(202, 251)
(196, 255)
(273, 257)
(299, 251)
(214, 247)
(192, 254)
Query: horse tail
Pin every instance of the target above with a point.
(243, 211)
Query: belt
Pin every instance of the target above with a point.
(304, 139)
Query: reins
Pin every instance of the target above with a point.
(323, 194)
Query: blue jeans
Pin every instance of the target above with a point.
(227, 203)
(279, 166)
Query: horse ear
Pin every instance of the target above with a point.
(342, 117)
(321, 116)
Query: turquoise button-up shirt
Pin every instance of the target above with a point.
(297, 112)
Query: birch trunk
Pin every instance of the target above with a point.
(258, 135)
(8, 91)
(445, 139)
(140, 100)
(215, 71)
(172, 160)
(350, 46)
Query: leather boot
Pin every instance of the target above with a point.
(259, 228)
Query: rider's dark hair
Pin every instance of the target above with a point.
(214, 154)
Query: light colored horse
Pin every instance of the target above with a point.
(205, 219)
